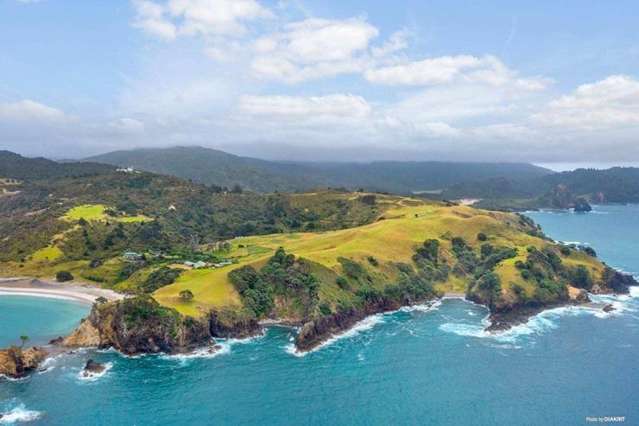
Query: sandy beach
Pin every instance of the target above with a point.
(41, 288)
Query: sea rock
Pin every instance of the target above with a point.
(57, 341)
(139, 325)
(92, 368)
(582, 296)
(16, 362)
(582, 206)
(618, 282)
(608, 308)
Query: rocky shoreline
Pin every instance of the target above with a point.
(140, 325)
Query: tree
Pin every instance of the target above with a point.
(186, 295)
(62, 276)
(101, 300)
(23, 339)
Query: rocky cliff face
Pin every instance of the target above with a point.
(138, 325)
(314, 332)
(16, 362)
(505, 313)
(227, 324)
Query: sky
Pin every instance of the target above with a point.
(550, 82)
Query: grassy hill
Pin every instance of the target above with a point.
(321, 260)
(378, 248)
(211, 166)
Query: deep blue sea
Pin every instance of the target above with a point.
(420, 366)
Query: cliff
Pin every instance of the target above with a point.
(138, 325)
(16, 362)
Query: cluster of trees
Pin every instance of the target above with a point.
(551, 275)
(283, 275)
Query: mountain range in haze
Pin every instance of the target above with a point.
(210, 166)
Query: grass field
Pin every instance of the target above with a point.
(97, 212)
(392, 238)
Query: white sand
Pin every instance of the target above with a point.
(70, 291)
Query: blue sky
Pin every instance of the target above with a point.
(545, 81)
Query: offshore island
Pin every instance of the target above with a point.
(185, 263)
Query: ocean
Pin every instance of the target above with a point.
(567, 366)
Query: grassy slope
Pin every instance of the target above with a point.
(393, 238)
(43, 263)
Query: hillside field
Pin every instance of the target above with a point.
(391, 239)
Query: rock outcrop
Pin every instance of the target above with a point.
(16, 362)
(138, 325)
(314, 332)
(227, 324)
(92, 368)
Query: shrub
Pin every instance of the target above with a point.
(342, 283)
(351, 268)
(588, 250)
(325, 308)
(581, 277)
(486, 250)
(160, 278)
(482, 237)
(368, 199)
(565, 250)
(63, 276)
(186, 295)
(372, 261)
(429, 251)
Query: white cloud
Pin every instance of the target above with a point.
(127, 125)
(31, 111)
(152, 19)
(173, 18)
(453, 69)
(396, 42)
(612, 102)
(314, 48)
(337, 106)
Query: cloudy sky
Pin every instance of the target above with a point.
(544, 81)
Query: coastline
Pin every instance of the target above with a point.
(35, 287)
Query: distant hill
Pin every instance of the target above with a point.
(614, 185)
(18, 167)
(211, 166)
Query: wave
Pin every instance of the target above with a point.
(425, 307)
(14, 379)
(543, 321)
(89, 376)
(221, 347)
(19, 414)
(363, 325)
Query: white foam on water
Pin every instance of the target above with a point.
(14, 379)
(634, 291)
(19, 414)
(543, 321)
(207, 352)
(221, 347)
(89, 376)
(363, 325)
(425, 307)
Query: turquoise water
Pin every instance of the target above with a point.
(423, 366)
(39, 318)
